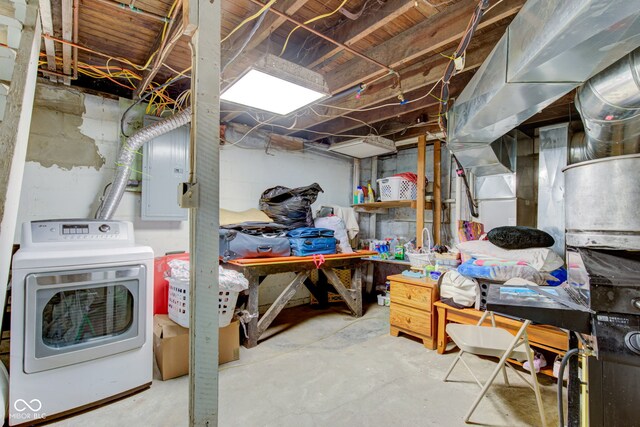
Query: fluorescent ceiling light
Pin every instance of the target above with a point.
(362, 148)
(277, 86)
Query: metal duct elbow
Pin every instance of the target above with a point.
(609, 104)
(127, 153)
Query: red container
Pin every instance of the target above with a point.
(160, 284)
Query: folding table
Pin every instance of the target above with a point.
(256, 269)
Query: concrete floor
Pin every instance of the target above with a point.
(326, 368)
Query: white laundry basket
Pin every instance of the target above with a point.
(397, 188)
(178, 306)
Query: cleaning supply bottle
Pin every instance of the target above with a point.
(372, 197)
(355, 197)
(360, 194)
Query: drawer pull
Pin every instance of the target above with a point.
(408, 296)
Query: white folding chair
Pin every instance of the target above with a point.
(494, 342)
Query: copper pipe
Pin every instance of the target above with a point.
(327, 38)
(123, 6)
(76, 5)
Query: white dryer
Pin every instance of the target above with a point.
(81, 317)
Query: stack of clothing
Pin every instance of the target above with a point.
(513, 252)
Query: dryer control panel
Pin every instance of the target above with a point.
(77, 231)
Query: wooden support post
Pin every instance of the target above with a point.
(67, 35)
(420, 205)
(47, 28)
(205, 143)
(437, 191)
(252, 308)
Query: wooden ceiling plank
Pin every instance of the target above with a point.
(46, 19)
(67, 35)
(271, 23)
(350, 34)
(413, 78)
(354, 120)
(135, 10)
(163, 47)
(431, 34)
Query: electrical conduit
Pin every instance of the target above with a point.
(127, 154)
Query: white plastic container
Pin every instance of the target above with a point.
(178, 305)
(397, 188)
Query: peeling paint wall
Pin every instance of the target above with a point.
(56, 139)
(66, 186)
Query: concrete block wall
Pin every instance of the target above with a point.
(71, 157)
(401, 222)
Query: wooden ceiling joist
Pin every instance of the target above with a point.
(271, 23)
(428, 36)
(420, 75)
(46, 18)
(163, 47)
(67, 35)
(346, 124)
(361, 28)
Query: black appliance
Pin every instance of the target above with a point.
(613, 279)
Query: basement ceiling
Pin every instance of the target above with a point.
(131, 47)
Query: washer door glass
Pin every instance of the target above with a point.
(83, 315)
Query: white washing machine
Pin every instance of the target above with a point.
(81, 317)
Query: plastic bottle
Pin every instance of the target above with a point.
(360, 195)
(355, 198)
(371, 196)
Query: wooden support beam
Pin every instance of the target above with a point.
(418, 76)
(420, 207)
(430, 35)
(281, 301)
(437, 192)
(352, 297)
(46, 18)
(361, 28)
(162, 47)
(204, 18)
(347, 123)
(67, 35)
(271, 23)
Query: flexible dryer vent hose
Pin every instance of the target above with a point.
(127, 155)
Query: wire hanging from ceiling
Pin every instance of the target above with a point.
(317, 18)
(247, 20)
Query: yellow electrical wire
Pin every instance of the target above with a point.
(326, 15)
(249, 19)
(164, 29)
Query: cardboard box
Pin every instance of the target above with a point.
(171, 346)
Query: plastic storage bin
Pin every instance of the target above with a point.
(397, 188)
(178, 306)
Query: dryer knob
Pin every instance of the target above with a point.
(104, 228)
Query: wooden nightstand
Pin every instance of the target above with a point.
(411, 309)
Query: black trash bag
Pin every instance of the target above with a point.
(290, 207)
(519, 237)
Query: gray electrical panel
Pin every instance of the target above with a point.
(165, 164)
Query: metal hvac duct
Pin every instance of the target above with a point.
(550, 48)
(609, 104)
(127, 154)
